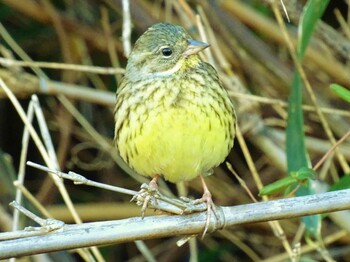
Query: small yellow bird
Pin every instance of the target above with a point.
(173, 117)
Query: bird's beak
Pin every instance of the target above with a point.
(194, 47)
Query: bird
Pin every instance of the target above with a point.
(173, 117)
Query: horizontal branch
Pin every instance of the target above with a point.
(126, 230)
(35, 85)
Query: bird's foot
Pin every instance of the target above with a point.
(149, 196)
(210, 206)
(146, 196)
(205, 203)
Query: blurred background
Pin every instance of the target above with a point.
(250, 53)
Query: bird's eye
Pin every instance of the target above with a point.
(167, 52)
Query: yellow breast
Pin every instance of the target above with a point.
(176, 130)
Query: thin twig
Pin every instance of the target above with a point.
(62, 66)
(330, 151)
(47, 225)
(241, 182)
(81, 180)
(22, 164)
(285, 10)
(126, 27)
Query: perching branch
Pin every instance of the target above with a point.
(131, 229)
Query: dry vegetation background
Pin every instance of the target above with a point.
(250, 53)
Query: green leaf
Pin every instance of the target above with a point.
(342, 183)
(296, 151)
(302, 176)
(312, 223)
(277, 186)
(341, 92)
(7, 176)
(297, 156)
(312, 12)
(307, 259)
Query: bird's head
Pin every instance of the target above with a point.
(161, 51)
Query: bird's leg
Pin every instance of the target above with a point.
(153, 182)
(147, 192)
(153, 187)
(210, 204)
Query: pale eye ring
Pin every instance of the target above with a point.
(167, 52)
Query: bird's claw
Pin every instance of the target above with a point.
(210, 207)
(202, 204)
(147, 194)
(192, 205)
